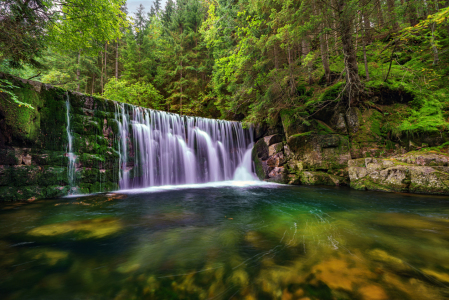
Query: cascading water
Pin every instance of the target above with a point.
(158, 148)
(71, 156)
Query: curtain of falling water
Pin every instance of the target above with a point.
(158, 148)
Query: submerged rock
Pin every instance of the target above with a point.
(86, 229)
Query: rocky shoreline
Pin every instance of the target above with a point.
(350, 150)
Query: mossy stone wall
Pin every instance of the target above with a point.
(33, 143)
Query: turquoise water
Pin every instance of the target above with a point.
(227, 242)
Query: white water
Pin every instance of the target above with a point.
(159, 149)
(163, 149)
(72, 158)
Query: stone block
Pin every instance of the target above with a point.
(23, 175)
(54, 176)
(54, 158)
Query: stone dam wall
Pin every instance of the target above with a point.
(33, 143)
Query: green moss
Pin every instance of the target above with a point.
(56, 191)
(54, 176)
(332, 92)
(302, 134)
(323, 128)
(258, 164)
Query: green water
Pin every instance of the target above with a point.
(273, 242)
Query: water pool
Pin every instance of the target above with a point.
(227, 242)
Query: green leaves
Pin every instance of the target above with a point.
(139, 93)
(86, 25)
(6, 88)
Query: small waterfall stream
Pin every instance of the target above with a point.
(159, 148)
(71, 167)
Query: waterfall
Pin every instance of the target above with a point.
(71, 167)
(159, 148)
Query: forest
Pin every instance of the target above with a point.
(242, 60)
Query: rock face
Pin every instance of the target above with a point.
(426, 173)
(353, 147)
(269, 159)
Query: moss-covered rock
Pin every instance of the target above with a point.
(23, 175)
(412, 172)
(321, 178)
(10, 156)
(86, 229)
(46, 158)
(16, 193)
(278, 175)
(53, 176)
(321, 151)
(55, 191)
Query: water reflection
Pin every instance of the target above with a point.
(253, 242)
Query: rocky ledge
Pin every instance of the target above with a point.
(426, 173)
(355, 148)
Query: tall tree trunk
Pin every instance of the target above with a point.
(78, 72)
(366, 24)
(101, 74)
(105, 63)
(335, 29)
(276, 59)
(305, 52)
(392, 15)
(380, 15)
(290, 68)
(354, 84)
(436, 58)
(116, 60)
(364, 57)
(93, 83)
(324, 57)
(411, 12)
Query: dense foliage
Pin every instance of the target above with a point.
(240, 59)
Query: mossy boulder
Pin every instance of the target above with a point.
(413, 172)
(321, 151)
(321, 178)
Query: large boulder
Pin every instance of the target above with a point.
(330, 151)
